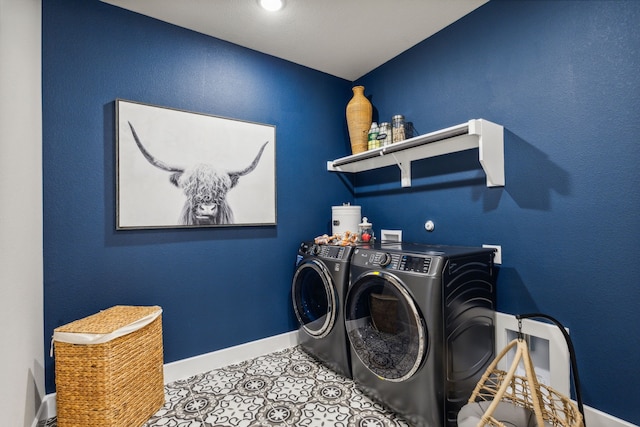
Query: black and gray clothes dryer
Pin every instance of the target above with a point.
(318, 291)
(420, 321)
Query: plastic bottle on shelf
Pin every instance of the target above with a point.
(372, 141)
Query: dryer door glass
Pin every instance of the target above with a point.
(385, 328)
(314, 298)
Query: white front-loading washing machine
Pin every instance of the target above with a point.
(318, 292)
(420, 322)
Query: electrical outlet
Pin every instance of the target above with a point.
(497, 258)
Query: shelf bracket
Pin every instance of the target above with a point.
(405, 171)
(490, 150)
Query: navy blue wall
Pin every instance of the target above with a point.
(218, 287)
(561, 76)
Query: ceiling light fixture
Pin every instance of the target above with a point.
(272, 5)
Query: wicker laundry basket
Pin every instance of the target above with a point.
(109, 368)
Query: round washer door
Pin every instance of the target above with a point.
(385, 327)
(314, 298)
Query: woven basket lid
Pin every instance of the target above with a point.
(109, 320)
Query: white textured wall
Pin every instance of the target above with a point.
(21, 305)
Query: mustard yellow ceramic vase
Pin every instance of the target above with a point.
(359, 114)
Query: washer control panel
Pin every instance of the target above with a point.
(332, 252)
(325, 251)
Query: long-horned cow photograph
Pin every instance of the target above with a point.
(181, 169)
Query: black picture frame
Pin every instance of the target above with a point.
(180, 169)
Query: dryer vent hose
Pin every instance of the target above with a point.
(572, 356)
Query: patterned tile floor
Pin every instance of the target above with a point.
(281, 389)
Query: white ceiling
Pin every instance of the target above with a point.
(344, 38)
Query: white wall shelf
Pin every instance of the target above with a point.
(479, 134)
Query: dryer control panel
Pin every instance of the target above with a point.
(414, 263)
(396, 261)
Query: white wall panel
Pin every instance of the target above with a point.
(21, 277)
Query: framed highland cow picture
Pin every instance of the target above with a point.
(179, 169)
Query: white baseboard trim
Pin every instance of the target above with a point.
(186, 368)
(596, 418)
(46, 410)
(206, 362)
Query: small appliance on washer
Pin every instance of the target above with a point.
(318, 291)
(420, 322)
